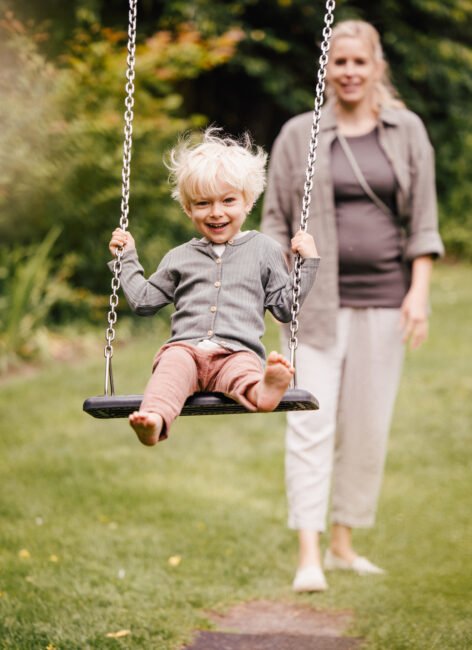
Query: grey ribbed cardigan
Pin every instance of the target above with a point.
(222, 299)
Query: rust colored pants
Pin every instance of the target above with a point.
(181, 369)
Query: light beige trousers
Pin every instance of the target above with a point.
(345, 442)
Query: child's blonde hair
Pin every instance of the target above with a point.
(385, 92)
(199, 169)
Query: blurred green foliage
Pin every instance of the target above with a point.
(29, 290)
(243, 64)
(63, 136)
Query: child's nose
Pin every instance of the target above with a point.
(216, 209)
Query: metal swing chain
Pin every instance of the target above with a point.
(310, 170)
(125, 174)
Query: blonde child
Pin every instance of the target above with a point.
(220, 284)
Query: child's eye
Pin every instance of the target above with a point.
(229, 199)
(201, 204)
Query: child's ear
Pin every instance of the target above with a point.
(186, 208)
(249, 203)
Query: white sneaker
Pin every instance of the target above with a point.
(360, 565)
(310, 579)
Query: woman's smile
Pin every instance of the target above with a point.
(352, 71)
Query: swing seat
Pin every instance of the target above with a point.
(120, 406)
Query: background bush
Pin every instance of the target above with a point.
(62, 145)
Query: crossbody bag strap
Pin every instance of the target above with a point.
(361, 178)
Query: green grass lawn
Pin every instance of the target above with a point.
(99, 534)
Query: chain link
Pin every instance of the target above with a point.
(125, 175)
(310, 170)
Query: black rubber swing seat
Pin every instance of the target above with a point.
(120, 406)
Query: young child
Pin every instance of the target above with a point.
(220, 285)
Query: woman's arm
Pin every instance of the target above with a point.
(277, 209)
(422, 231)
(414, 309)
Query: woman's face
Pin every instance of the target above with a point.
(352, 70)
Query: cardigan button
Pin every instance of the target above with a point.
(210, 332)
(217, 284)
(213, 308)
(218, 261)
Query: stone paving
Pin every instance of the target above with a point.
(271, 625)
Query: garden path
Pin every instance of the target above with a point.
(271, 625)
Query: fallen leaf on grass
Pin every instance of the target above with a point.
(53, 558)
(117, 635)
(175, 560)
(24, 554)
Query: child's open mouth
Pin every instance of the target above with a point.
(217, 226)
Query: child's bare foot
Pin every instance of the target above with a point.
(277, 376)
(147, 425)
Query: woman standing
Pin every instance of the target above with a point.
(373, 215)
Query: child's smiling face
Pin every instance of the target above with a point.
(220, 217)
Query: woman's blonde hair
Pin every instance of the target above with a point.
(385, 92)
(199, 169)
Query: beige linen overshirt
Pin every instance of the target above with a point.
(403, 138)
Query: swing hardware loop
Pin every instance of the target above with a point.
(125, 175)
(310, 170)
(109, 376)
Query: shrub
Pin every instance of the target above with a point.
(63, 137)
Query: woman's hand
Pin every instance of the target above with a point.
(414, 319)
(121, 238)
(304, 244)
(414, 309)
